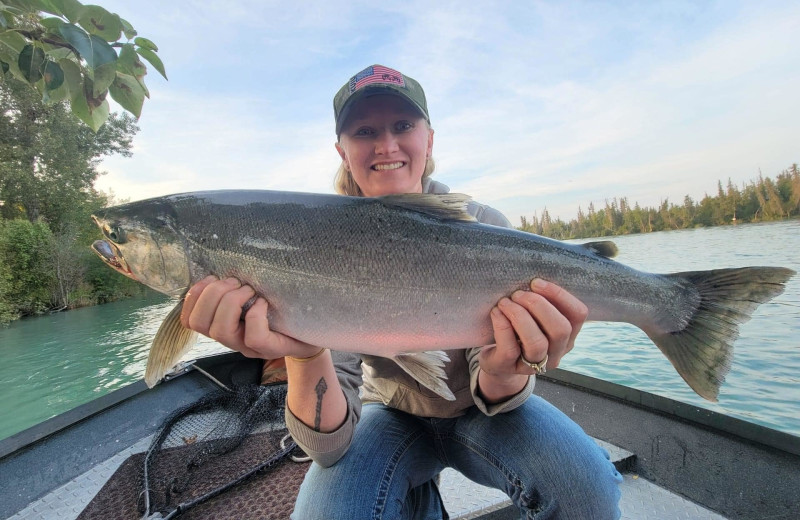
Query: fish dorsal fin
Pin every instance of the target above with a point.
(445, 206)
(604, 248)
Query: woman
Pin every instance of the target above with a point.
(382, 460)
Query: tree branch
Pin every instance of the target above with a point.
(36, 35)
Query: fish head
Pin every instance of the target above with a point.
(141, 241)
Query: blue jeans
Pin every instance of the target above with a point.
(537, 455)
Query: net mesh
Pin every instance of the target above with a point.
(207, 447)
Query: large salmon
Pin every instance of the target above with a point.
(407, 276)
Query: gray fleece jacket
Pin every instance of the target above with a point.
(381, 380)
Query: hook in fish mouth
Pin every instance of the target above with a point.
(108, 253)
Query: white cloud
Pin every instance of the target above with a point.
(663, 128)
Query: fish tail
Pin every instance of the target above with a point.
(171, 342)
(702, 351)
(428, 369)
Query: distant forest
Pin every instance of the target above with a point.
(762, 200)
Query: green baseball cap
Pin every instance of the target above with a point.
(377, 79)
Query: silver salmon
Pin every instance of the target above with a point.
(410, 276)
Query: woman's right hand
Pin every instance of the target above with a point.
(213, 308)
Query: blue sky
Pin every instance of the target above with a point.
(534, 104)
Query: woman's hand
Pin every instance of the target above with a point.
(213, 308)
(532, 324)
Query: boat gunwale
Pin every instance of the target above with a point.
(693, 414)
(704, 417)
(63, 421)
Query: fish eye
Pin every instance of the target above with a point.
(116, 234)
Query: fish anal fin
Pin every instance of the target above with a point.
(428, 369)
(604, 248)
(171, 342)
(445, 206)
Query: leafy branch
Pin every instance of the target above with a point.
(68, 51)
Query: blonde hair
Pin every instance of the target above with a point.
(344, 184)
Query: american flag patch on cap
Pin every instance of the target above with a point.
(376, 74)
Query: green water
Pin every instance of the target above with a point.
(53, 363)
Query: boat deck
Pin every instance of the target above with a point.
(464, 499)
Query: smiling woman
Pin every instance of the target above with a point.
(385, 142)
(385, 146)
(388, 129)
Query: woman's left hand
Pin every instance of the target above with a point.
(535, 324)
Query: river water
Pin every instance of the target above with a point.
(53, 363)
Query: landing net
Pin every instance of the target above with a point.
(208, 447)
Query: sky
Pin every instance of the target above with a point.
(546, 104)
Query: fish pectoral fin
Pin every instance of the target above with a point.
(172, 341)
(428, 369)
(445, 206)
(604, 248)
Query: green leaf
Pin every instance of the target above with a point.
(70, 8)
(53, 75)
(93, 118)
(72, 76)
(3, 21)
(154, 60)
(11, 44)
(4, 66)
(128, 92)
(28, 6)
(46, 6)
(13, 41)
(52, 24)
(129, 63)
(93, 100)
(102, 78)
(90, 110)
(31, 61)
(98, 21)
(58, 53)
(147, 44)
(56, 95)
(92, 48)
(127, 28)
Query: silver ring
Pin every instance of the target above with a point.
(539, 368)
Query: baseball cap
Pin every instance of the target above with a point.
(377, 79)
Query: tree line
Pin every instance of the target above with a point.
(761, 200)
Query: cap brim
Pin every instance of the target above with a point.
(373, 90)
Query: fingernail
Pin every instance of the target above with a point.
(210, 278)
(538, 283)
(233, 282)
(496, 312)
(504, 302)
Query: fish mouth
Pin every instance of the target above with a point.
(109, 254)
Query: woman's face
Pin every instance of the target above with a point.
(385, 144)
